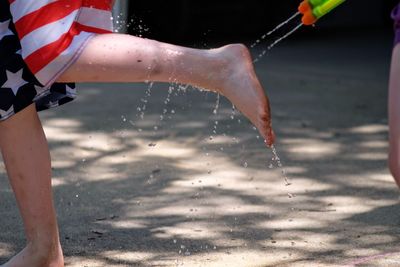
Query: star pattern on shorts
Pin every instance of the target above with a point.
(5, 113)
(19, 87)
(14, 81)
(69, 89)
(4, 29)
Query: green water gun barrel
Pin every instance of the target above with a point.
(313, 10)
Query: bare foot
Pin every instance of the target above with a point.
(242, 87)
(34, 257)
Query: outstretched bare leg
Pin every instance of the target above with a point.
(227, 70)
(26, 155)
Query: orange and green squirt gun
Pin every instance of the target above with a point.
(313, 10)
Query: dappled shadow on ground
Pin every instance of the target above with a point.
(149, 192)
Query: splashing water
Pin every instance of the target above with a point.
(279, 163)
(233, 112)
(276, 158)
(167, 100)
(145, 100)
(140, 109)
(215, 111)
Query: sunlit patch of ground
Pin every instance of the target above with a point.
(146, 192)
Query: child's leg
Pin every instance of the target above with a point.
(227, 70)
(26, 155)
(394, 115)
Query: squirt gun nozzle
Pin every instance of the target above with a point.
(313, 10)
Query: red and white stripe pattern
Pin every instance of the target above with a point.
(54, 32)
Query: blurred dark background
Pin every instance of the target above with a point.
(184, 21)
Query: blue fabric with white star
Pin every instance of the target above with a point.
(18, 86)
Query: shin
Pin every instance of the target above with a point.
(27, 159)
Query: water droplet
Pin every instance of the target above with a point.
(175, 241)
(245, 164)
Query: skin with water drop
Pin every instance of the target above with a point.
(117, 58)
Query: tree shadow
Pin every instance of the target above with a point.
(145, 192)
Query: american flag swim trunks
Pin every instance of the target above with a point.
(39, 40)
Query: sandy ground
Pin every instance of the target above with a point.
(151, 192)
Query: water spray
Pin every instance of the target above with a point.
(311, 11)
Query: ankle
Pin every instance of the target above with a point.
(48, 253)
(234, 61)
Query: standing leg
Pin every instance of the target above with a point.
(27, 159)
(394, 116)
(228, 70)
